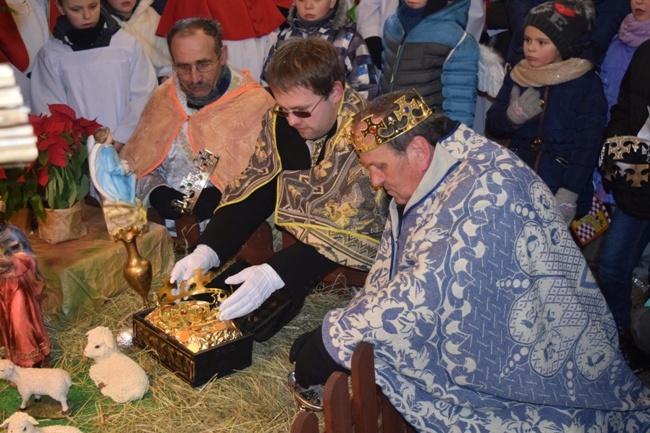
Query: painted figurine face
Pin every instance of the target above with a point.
(640, 9)
(197, 63)
(124, 7)
(538, 48)
(323, 110)
(415, 4)
(82, 14)
(314, 10)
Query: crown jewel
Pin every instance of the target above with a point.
(406, 117)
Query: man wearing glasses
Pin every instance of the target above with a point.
(304, 173)
(208, 104)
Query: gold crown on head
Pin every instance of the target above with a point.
(406, 117)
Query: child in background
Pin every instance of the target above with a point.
(426, 48)
(551, 106)
(140, 19)
(93, 66)
(609, 15)
(328, 19)
(635, 29)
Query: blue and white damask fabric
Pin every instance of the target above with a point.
(482, 311)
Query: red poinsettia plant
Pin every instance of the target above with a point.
(59, 177)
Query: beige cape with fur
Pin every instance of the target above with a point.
(227, 127)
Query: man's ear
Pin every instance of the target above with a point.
(337, 92)
(223, 58)
(420, 152)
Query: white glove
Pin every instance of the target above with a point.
(203, 257)
(566, 202)
(259, 282)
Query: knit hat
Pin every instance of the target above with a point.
(564, 22)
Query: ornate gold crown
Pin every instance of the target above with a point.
(191, 287)
(406, 117)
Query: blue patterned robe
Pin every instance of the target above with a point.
(482, 311)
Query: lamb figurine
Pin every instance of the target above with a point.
(116, 375)
(54, 382)
(22, 423)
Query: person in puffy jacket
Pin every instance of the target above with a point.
(328, 19)
(426, 48)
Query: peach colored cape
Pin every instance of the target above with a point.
(227, 127)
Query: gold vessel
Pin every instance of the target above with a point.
(137, 270)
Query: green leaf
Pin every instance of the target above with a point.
(50, 191)
(83, 151)
(84, 187)
(71, 197)
(37, 206)
(60, 183)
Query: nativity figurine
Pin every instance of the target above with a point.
(21, 320)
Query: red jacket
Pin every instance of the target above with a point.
(12, 47)
(240, 19)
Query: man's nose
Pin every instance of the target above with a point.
(195, 75)
(376, 178)
(292, 119)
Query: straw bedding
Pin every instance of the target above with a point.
(254, 400)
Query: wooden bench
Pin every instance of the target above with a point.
(366, 411)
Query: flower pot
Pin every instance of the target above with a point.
(62, 225)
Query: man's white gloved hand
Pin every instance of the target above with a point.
(523, 106)
(203, 257)
(259, 282)
(566, 202)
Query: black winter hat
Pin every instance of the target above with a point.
(563, 21)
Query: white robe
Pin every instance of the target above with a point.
(112, 83)
(143, 24)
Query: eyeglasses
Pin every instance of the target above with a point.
(298, 113)
(204, 66)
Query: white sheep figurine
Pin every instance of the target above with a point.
(22, 423)
(116, 375)
(54, 382)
